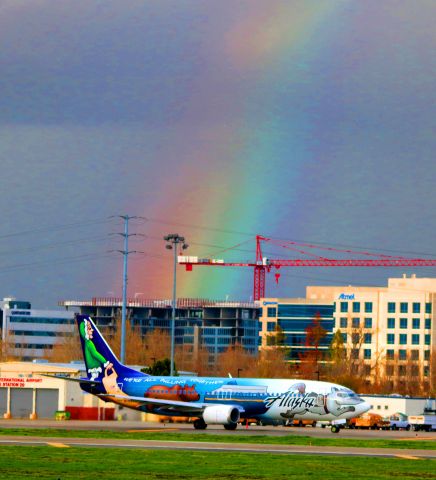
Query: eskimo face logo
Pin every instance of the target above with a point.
(86, 329)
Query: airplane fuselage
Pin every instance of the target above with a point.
(269, 400)
(216, 401)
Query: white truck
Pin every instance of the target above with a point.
(423, 422)
(399, 421)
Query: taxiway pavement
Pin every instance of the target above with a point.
(57, 442)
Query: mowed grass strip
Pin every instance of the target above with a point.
(236, 438)
(24, 462)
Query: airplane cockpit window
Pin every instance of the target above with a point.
(347, 394)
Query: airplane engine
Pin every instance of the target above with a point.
(221, 415)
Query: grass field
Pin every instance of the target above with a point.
(203, 437)
(23, 462)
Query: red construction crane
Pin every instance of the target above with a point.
(264, 264)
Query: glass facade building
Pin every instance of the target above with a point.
(293, 318)
(199, 323)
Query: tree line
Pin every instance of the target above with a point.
(341, 362)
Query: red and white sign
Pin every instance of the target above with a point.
(18, 382)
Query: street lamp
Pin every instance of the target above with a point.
(173, 240)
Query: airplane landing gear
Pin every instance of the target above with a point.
(200, 424)
(335, 429)
(230, 426)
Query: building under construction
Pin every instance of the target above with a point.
(212, 325)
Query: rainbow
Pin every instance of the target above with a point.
(251, 163)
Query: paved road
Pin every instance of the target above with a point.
(215, 429)
(57, 442)
(213, 446)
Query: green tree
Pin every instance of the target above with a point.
(276, 338)
(160, 368)
(337, 352)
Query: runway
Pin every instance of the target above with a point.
(241, 432)
(139, 426)
(56, 442)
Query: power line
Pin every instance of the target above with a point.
(59, 261)
(53, 228)
(323, 279)
(70, 259)
(149, 255)
(48, 246)
(251, 234)
(60, 227)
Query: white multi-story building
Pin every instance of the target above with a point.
(395, 324)
(31, 332)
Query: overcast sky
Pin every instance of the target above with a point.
(302, 120)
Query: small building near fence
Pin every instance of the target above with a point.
(387, 405)
(26, 393)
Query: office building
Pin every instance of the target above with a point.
(390, 327)
(30, 333)
(291, 318)
(199, 323)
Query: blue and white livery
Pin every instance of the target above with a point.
(210, 400)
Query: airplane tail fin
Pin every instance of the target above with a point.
(98, 356)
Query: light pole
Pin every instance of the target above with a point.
(173, 240)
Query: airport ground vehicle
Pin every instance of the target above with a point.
(423, 422)
(399, 421)
(370, 421)
(301, 423)
(166, 419)
(249, 421)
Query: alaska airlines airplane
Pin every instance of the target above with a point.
(213, 401)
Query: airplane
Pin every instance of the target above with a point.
(211, 400)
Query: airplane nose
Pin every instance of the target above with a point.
(363, 407)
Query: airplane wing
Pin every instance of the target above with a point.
(177, 406)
